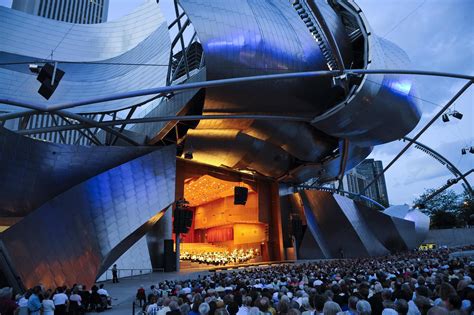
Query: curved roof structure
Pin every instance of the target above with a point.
(347, 116)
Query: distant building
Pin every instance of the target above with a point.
(72, 11)
(370, 169)
(359, 177)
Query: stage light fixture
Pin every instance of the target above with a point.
(471, 150)
(445, 117)
(49, 75)
(188, 155)
(463, 151)
(457, 115)
(34, 68)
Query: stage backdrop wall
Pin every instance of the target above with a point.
(224, 212)
(249, 233)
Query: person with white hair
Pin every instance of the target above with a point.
(331, 308)
(363, 307)
(306, 307)
(204, 308)
(389, 311)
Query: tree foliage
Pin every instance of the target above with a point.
(466, 210)
(448, 209)
(447, 201)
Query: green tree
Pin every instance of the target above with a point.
(447, 201)
(443, 209)
(466, 209)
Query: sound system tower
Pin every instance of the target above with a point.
(240, 195)
(169, 256)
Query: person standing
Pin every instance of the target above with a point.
(34, 303)
(114, 274)
(60, 301)
(141, 296)
(48, 304)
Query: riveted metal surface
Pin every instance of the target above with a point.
(68, 239)
(338, 223)
(33, 172)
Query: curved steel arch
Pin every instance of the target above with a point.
(450, 166)
(334, 190)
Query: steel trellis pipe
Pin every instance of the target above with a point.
(223, 82)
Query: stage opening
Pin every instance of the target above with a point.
(223, 232)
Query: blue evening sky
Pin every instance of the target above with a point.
(437, 35)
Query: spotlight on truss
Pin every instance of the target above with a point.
(457, 115)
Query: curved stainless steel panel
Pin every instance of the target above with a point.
(384, 108)
(336, 222)
(421, 220)
(328, 170)
(234, 149)
(75, 236)
(42, 170)
(341, 225)
(258, 37)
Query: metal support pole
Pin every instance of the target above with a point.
(178, 250)
(455, 97)
(54, 73)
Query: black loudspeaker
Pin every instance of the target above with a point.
(240, 195)
(169, 256)
(183, 220)
(45, 76)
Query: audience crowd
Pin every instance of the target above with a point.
(414, 283)
(237, 256)
(40, 301)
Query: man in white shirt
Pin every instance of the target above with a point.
(152, 309)
(60, 301)
(102, 291)
(60, 298)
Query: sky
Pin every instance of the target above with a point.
(437, 35)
